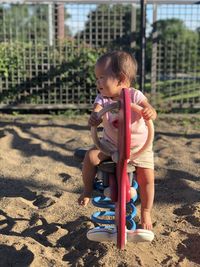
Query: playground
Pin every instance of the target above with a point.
(41, 223)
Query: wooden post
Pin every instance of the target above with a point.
(60, 21)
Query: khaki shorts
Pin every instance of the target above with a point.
(145, 160)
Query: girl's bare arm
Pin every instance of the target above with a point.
(94, 120)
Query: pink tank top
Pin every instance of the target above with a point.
(110, 120)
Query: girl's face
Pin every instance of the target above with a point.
(107, 83)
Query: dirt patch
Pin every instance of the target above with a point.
(40, 221)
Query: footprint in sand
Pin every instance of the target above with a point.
(191, 214)
(40, 199)
(43, 202)
(65, 177)
(189, 250)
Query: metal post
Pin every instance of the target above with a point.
(154, 56)
(142, 44)
(133, 25)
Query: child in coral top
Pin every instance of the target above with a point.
(115, 71)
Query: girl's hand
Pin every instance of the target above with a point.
(148, 113)
(94, 120)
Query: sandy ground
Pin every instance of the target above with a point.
(42, 225)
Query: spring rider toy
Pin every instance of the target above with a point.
(115, 179)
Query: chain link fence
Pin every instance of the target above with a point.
(175, 66)
(48, 51)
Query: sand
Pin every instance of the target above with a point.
(42, 225)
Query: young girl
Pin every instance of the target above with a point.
(115, 71)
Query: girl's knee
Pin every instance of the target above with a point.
(92, 156)
(145, 176)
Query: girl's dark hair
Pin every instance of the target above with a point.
(120, 62)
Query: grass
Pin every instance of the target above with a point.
(182, 96)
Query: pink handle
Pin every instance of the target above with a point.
(105, 149)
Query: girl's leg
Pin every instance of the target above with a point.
(92, 158)
(145, 179)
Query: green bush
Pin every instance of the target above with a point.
(11, 60)
(39, 73)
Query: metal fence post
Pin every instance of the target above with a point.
(154, 57)
(133, 25)
(142, 44)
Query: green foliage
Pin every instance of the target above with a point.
(113, 21)
(170, 29)
(178, 45)
(32, 72)
(11, 60)
(69, 66)
(25, 23)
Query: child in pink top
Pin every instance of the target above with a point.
(110, 121)
(115, 71)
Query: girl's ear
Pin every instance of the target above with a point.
(122, 78)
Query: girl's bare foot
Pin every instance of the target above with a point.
(84, 199)
(146, 220)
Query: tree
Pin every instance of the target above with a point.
(25, 23)
(110, 26)
(177, 43)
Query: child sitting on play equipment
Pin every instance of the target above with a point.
(115, 71)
